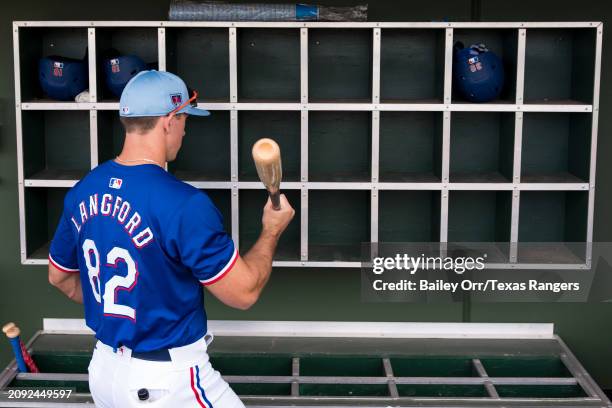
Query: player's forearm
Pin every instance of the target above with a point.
(70, 286)
(259, 259)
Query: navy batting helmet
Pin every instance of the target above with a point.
(62, 78)
(118, 70)
(478, 74)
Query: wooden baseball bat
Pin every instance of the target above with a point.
(267, 157)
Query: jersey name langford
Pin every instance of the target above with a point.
(118, 209)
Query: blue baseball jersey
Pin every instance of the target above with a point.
(144, 243)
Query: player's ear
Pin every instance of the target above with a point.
(166, 120)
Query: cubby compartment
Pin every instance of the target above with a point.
(442, 390)
(408, 216)
(482, 147)
(281, 126)
(251, 209)
(43, 209)
(339, 146)
(338, 222)
(433, 367)
(56, 145)
(111, 135)
(205, 153)
(244, 389)
(342, 366)
(140, 42)
(410, 147)
(559, 65)
(553, 216)
(480, 217)
(268, 64)
(340, 65)
(36, 43)
(504, 43)
(556, 148)
(412, 66)
(252, 364)
(344, 390)
(540, 391)
(222, 199)
(544, 366)
(200, 56)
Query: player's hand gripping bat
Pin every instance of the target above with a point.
(267, 157)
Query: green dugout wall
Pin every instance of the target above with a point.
(312, 294)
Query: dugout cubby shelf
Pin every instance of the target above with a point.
(341, 60)
(559, 65)
(339, 146)
(409, 216)
(556, 147)
(376, 144)
(44, 208)
(69, 42)
(200, 56)
(283, 126)
(504, 42)
(141, 42)
(410, 147)
(56, 144)
(268, 64)
(481, 147)
(412, 66)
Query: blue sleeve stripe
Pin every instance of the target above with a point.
(60, 267)
(223, 271)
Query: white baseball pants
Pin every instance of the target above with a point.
(189, 380)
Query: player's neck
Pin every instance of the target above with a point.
(141, 149)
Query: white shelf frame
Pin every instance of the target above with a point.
(374, 106)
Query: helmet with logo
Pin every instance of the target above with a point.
(478, 73)
(62, 78)
(119, 69)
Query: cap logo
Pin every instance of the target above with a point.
(176, 99)
(125, 109)
(58, 68)
(115, 65)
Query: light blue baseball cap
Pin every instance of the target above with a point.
(156, 93)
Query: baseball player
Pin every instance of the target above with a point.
(135, 245)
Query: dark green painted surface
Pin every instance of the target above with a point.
(540, 391)
(339, 146)
(479, 216)
(28, 297)
(409, 216)
(201, 58)
(556, 145)
(412, 65)
(282, 126)
(268, 64)
(410, 146)
(482, 146)
(553, 216)
(525, 367)
(464, 391)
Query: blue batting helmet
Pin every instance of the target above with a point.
(118, 70)
(478, 74)
(62, 78)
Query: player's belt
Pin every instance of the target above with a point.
(156, 355)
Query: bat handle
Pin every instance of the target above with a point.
(275, 198)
